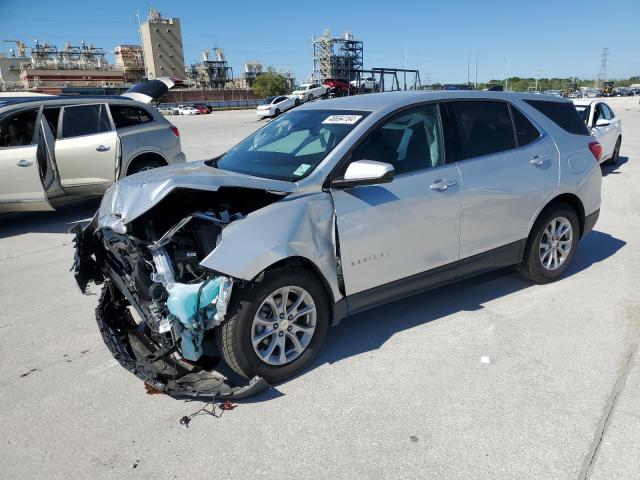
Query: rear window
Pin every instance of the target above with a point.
(126, 116)
(526, 132)
(562, 114)
(483, 127)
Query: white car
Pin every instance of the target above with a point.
(368, 84)
(167, 110)
(187, 110)
(604, 126)
(274, 106)
(309, 91)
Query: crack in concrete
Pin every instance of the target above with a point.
(617, 389)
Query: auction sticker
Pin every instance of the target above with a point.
(342, 119)
(301, 170)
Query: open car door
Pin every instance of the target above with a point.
(153, 89)
(21, 157)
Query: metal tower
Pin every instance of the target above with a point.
(338, 57)
(602, 75)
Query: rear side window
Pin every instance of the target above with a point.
(526, 132)
(127, 116)
(562, 114)
(483, 128)
(85, 120)
(17, 130)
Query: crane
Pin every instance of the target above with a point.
(22, 48)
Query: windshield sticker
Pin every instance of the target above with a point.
(301, 170)
(342, 119)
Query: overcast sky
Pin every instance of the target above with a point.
(554, 38)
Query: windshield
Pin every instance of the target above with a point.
(291, 147)
(583, 110)
(268, 100)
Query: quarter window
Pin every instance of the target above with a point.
(17, 130)
(410, 141)
(126, 116)
(562, 114)
(526, 132)
(483, 128)
(85, 120)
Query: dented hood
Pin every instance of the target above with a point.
(132, 196)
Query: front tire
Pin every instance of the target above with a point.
(275, 326)
(551, 244)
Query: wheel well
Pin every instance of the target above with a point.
(145, 156)
(574, 202)
(315, 271)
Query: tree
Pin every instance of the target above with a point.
(270, 83)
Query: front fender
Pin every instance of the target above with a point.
(302, 226)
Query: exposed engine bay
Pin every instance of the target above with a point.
(155, 267)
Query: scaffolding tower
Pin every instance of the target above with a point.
(212, 73)
(336, 57)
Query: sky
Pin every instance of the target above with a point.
(517, 38)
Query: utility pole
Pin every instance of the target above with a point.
(476, 85)
(468, 60)
(506, 81)
(602, 75)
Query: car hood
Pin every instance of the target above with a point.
(132, 196)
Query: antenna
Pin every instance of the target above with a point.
(602, 75)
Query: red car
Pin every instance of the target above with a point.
(337, 86)
(203, 109)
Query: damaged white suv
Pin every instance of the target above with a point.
(331, 209)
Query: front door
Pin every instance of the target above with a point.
(399, 230)
(86, 149)
(509, 169)
(20, 179)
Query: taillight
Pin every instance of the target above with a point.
(176, 132)
(596, 150)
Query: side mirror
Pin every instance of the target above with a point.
(603, 123)
(365, 172)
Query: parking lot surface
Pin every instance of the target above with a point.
(491, 378)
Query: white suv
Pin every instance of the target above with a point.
(330, 209)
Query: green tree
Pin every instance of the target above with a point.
(270, 83)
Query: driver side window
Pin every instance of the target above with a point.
(410, 141)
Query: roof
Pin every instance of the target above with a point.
(389, 100)
(13, 101)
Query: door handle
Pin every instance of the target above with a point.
(443, 184)
(102, 148)
(24, 163)
(538, 161)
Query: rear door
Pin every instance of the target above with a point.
(20, 177)
(86, 149)
(509, 168)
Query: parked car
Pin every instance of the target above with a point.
(330, 209)
(338, 87)
(604, 125)
(203, 109)
(368, 84)
(187, 110)
(275, 105)
(53, 149)
(167, 110)
(308, 91)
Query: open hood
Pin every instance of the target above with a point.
(132, 196)
(153, 89)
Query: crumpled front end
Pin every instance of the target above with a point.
(151, 266)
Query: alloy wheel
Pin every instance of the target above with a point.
(284, 325)
(556, 243)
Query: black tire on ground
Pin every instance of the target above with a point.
(531, 266)
(616, 153)
(145, 164)
(233, 337)
(277, 112)
(297, 102)
(310, 97)
(327, 93)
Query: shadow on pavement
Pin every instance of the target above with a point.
(371, 329)
(613, 169)
(59, 221)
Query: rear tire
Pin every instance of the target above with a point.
(145, 164)
(251, 316)
(550, 247)
(310, 97)
(616, 153)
